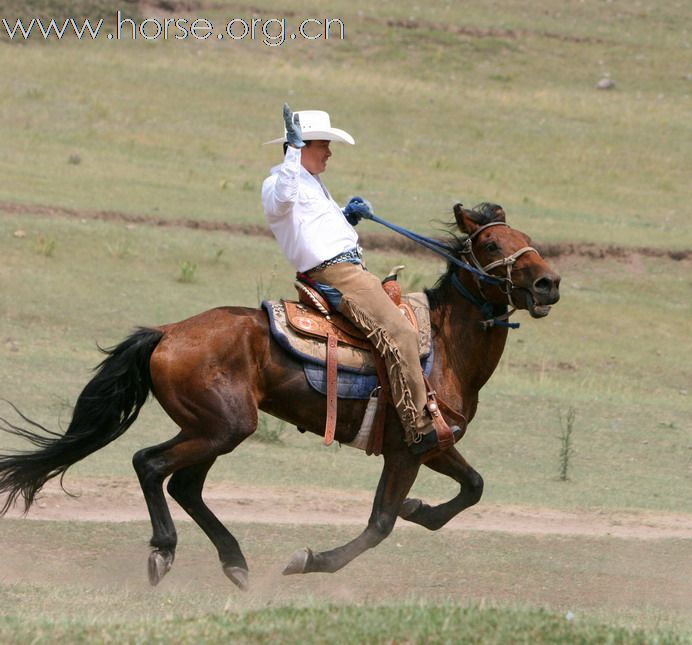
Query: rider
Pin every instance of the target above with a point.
(319, 239)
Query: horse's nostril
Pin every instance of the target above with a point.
(543, 285)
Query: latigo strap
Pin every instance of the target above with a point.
(330, 429)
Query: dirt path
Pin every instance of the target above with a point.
(108, 500)
(371, 241)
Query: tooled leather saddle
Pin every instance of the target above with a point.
(313, 318)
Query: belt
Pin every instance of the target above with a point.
(352, 255)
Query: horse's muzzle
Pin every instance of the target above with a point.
(547, 288)
(538, 299)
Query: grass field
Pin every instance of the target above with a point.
(174, 128)
(448, 102)
(412, 622)
(630, 400)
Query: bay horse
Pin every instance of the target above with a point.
(212, 373)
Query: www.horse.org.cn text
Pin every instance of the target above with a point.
(270, 31)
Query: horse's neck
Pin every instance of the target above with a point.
(466, 355)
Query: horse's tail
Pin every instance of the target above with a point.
(106, 408)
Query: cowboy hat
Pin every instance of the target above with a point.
(315, 124)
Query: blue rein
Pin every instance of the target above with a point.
(445, 250)
(438, 247)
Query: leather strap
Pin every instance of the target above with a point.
(445, 437)
(456, 417)
(330, 428)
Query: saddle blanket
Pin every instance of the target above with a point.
(356, 377)
(350, 385)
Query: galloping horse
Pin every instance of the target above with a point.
(212, 372)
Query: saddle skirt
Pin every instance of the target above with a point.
(302, 332)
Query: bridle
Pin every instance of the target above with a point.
(482, 274)
(507, 262)
(479, 272)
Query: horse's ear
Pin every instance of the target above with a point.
(464, 219)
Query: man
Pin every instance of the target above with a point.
(319, 239)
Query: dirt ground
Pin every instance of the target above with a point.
(628, 567)
(120, 500)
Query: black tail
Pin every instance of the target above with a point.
(106, 408)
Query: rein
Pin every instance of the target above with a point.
(479, 272)
(445, 250)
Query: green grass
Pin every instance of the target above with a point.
(438, 116)
(351, 624)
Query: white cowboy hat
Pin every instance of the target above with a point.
(315, 124)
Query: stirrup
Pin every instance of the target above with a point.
(423, 443)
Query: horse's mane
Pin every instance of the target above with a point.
(481, 214)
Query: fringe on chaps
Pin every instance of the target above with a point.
(388, 349)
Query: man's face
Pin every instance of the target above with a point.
(314, 156)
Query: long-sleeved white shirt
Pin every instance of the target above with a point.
(308, 224)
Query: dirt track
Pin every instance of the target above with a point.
(108, 500)
(371, 241)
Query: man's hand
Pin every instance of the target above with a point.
(357, 209)
(294, 135)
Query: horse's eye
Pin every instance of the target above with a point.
(491, 247)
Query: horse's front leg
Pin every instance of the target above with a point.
(452, 464)
(399, 473)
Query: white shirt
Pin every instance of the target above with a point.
(308, 224)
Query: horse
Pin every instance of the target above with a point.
(212, 373)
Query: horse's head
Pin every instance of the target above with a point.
(498, 250)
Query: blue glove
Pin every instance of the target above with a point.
(357, 209)
(294, 134)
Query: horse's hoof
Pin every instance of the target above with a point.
(409, 506)
(298, 562)
(159, 565)
(238, 576)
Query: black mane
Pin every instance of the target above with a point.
(481, 214)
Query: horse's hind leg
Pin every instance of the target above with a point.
(185, 486)
(452, 464)
(397, 477)
(153, 465)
